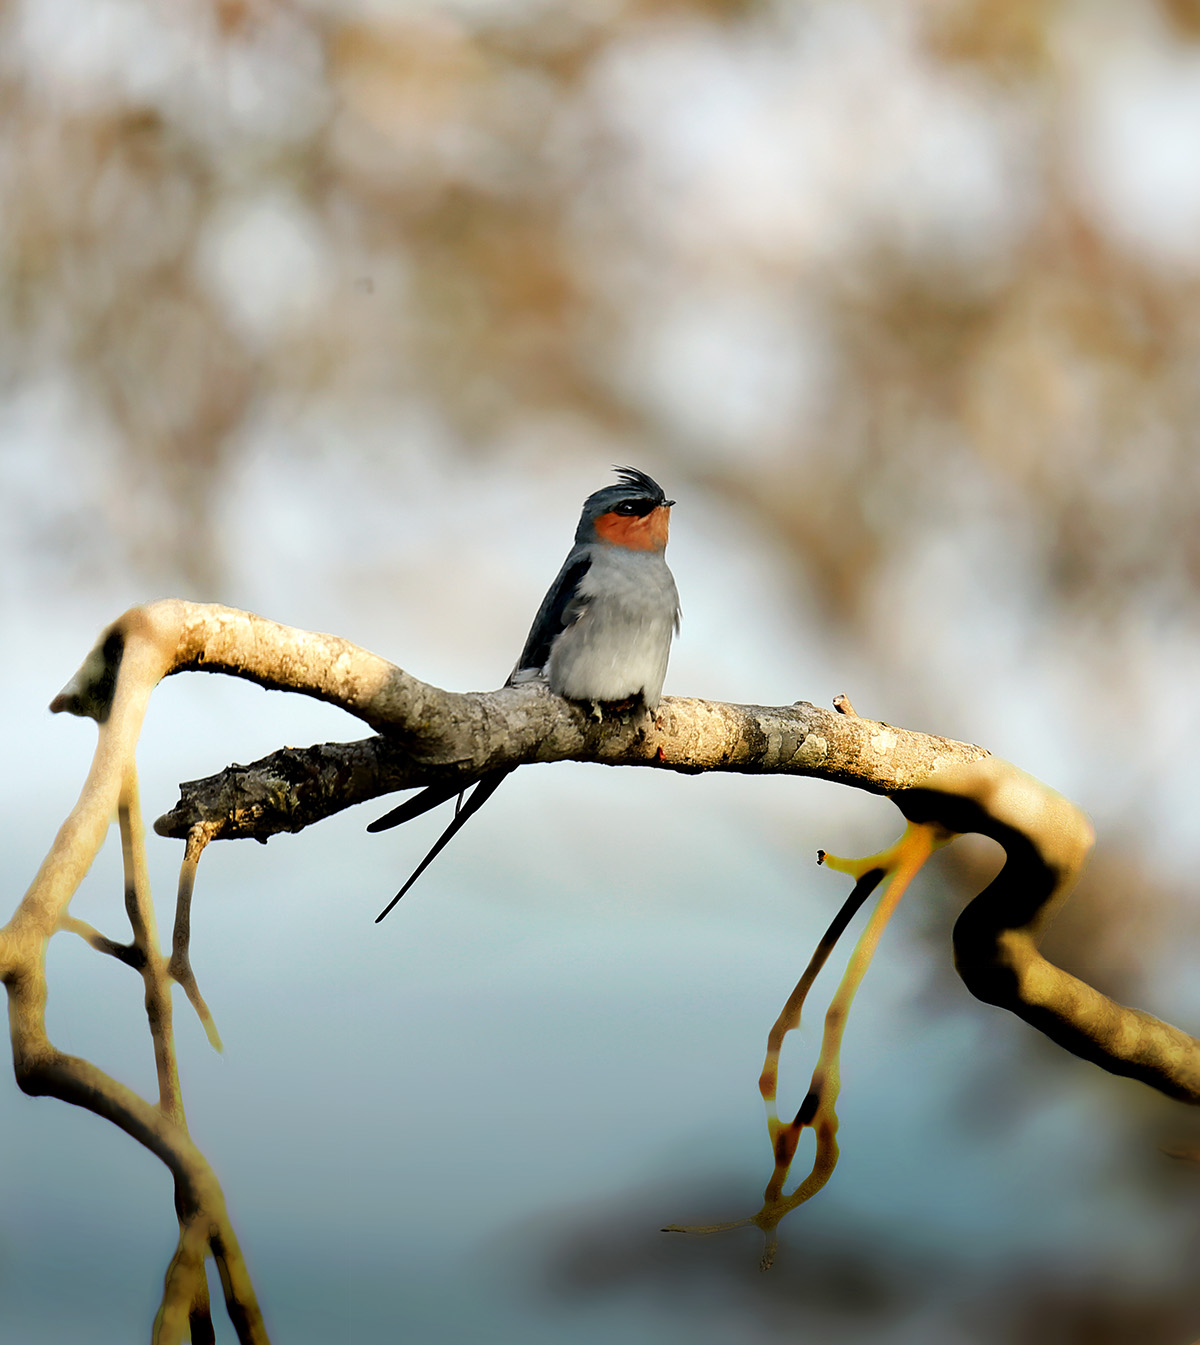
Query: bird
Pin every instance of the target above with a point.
(602, 635)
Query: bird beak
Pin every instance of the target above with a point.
(666, 504)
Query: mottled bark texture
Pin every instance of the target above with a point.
(427, 735)
(424, 735)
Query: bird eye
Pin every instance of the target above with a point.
(634, 508)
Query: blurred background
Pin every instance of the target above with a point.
(336, 311)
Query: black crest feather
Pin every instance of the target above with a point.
(638, 481)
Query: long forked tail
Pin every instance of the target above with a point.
(422, 803)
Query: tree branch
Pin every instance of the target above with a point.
(431, 736)
(114, 686)
(295, 787)
(428, 736)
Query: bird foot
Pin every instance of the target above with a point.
(616, 707)
(623, 707)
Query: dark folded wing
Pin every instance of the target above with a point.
(559, 608)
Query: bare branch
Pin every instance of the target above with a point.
(180, 966)
(431, 736)
(295, 787)
(1047, 841)
(114, 687)
(436, 736)
(428, 736)
(123, 952)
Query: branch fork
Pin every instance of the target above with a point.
(422, 735)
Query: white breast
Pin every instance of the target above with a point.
(619, 644)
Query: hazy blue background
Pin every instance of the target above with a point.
(336, 312)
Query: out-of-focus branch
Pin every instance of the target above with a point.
(1047, 841)
(114, 687)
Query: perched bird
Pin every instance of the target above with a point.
(602, 634)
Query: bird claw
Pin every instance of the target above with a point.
(616, 707)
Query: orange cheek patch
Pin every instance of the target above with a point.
(639, 534)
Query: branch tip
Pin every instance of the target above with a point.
(89, 693)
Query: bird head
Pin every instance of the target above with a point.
(634, 513)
